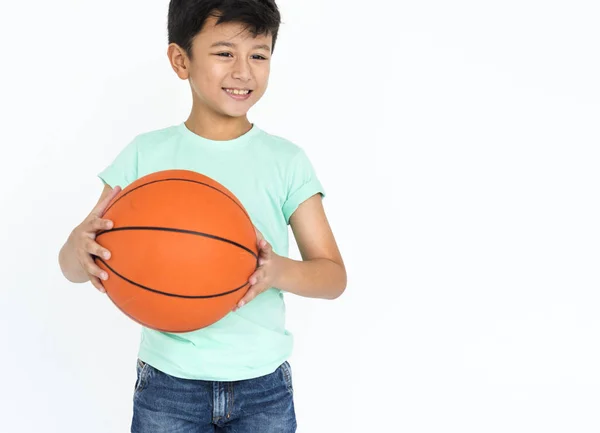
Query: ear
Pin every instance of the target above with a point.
(179, 61)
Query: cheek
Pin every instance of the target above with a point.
(208, 79)
(261, 76)
(264, 72)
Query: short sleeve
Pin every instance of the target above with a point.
(124, 168)
(302, 184)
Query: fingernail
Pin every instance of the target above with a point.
(104, 276)
(241, 304)
(107, 255)
(109, 225)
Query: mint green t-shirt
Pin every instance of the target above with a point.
(270, 176)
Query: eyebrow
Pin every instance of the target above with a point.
(232, 45)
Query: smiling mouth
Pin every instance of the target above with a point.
(237, 92)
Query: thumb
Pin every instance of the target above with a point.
(259, 235)
(100, 208)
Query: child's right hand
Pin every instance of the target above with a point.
(84, 243)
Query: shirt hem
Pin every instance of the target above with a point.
(164, 366)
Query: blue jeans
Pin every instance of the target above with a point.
(163, 403)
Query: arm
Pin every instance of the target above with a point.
(76, 255)
(321, 272)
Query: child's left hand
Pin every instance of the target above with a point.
(269, 267)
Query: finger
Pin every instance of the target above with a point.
(265, 247)
(251, 294)
(97, 224)
(98, 211)
(253, 280)
(97, 284)
(264, 256)
(94, 248)
(256, 277)
(259, 235)
(94, 270)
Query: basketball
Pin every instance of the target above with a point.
(182, 250)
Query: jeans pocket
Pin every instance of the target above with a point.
(286, 370)
(142, 376)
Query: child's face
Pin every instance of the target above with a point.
(225, 57)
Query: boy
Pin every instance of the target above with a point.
(232, 376)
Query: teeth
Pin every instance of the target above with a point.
(237, 92)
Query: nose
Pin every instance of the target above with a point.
(242, 70)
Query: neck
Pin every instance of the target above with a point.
(210, 125)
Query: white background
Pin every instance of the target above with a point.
(459, 146)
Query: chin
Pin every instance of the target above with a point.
(235, 112)
(235, 108)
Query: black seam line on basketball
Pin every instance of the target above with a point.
(141, 322)
(189, 232)
(141, 286)
(182, 180)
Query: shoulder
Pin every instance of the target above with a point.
(283, 149)
(291, 162)
(155, 136)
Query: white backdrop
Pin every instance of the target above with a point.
(459, 145)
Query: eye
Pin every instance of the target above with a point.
(255, 56)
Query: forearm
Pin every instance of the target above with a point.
(316, 278)
(69, 264)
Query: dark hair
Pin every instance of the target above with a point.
(187, 18)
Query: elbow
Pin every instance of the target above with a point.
(69, 274)
(62, 267)
(339, 288)
(336, 294)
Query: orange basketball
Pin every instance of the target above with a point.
(182, 250)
